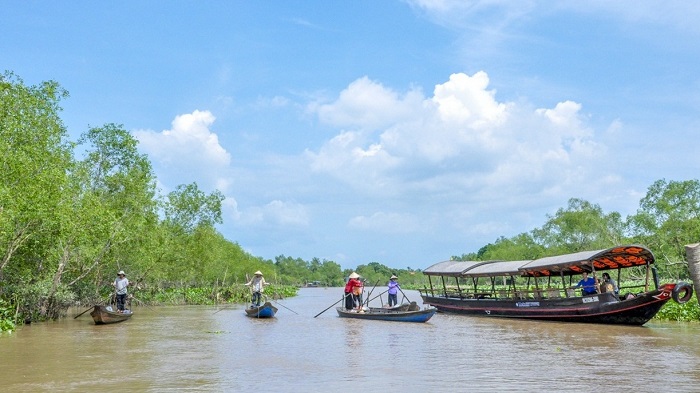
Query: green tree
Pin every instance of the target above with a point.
(192, 242)
(116, 211)
(188, 207)
(668, 218)
(519, 247)
(330, 274)
(581, 226)
(34, 158)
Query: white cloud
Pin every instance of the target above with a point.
(385, 223)
(485, 15)
(465, 100)
(495, 14)
(366, 104)
(461, 141)
(277, 213)
(187, 152)
(274, 102)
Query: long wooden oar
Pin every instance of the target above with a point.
(370, 293)
(329, 307)
(280, 304)
(144, 304)
(221, 309)
(377, 296)
(83, 312)
(404, 295)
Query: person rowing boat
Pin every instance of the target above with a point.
(353, 292)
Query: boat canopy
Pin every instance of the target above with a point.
(453, 268)
(587, 261)
(566, 265)
(498, 268)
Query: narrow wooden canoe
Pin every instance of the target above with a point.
(267, 310)
(103, 315)
(388, 314)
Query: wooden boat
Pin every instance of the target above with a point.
(266, 310)
(412, 306)
(389, 314)
(537, 289)
(103, 315)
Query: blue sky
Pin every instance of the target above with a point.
(399, 132)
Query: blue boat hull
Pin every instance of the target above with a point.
(267, 310)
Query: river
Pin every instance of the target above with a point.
(201, 349)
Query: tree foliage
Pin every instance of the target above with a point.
(581, 226)
(68, 224)
(668, 218)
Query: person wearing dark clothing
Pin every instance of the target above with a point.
(352, 292)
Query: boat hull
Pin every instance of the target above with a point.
(600, 308)
(267, 310)
(389, 314)
(412, 306)
(102, 315)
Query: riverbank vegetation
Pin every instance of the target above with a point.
(73, 213)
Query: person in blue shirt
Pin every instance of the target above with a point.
(587, 285)
(393, 290)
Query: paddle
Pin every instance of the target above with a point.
(329, 307)
(377, 296)
(370, 293)
(144, 304)
(221, 309)
(280, 304)
(83, 312)
(404, 295)
(250, 287)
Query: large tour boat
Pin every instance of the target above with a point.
(543, 289)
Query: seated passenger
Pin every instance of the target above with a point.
(587, 285)
(609, 284)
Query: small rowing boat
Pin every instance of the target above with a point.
(267, 310)
(389, 314)
(103, 315)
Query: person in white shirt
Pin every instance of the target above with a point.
(257, 284)
(120, 284)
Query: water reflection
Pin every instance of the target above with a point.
(198, 349)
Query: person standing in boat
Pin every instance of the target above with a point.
(120, 284)
(587, 285)
(393, 291)
(257, 284)
(353, 291)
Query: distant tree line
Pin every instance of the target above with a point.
(73, 213)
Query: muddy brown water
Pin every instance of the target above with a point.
(197, 349)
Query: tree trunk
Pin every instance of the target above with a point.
(692, 254)
(51, 308)
(20, 235)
